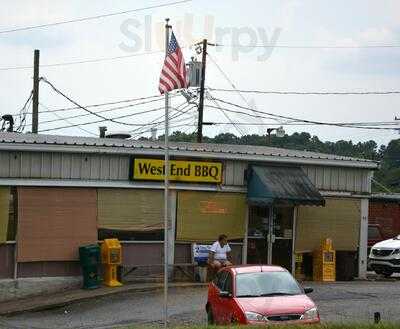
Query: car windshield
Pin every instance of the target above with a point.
(263, 284)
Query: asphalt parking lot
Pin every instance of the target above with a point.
(338, 302)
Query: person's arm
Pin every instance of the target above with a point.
(228, 254)
(210, 257)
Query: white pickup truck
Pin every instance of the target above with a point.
(384, 257)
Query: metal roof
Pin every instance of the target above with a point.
(55, 143)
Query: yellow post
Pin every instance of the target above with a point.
(111, 257)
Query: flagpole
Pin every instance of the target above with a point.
(166, 186)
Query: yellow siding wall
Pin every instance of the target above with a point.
(339, 220)
(202, 216)
(130, 210)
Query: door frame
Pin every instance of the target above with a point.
(271, 238)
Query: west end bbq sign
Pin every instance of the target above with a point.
(179, 170)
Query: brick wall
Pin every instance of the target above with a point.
(387, 215)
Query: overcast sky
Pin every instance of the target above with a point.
(280, 22)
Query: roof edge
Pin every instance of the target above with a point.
(33, 147)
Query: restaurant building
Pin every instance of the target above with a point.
(59, 192)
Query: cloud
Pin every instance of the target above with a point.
(365, 61)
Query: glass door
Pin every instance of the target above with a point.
(258, 231)
(282, 245)
(270, 236)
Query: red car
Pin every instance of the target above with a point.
(259, 294)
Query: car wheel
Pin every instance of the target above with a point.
(210, 317)
(387, 274)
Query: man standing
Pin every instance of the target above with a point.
(220, 253)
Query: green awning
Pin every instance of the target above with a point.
(273, 185)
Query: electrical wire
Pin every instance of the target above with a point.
(171, 127)
(230, 82)
(322, 93)
(69, 122)
(227, 116)
(104, 120)
(170, 118)
(284, 124)
(158, 98)
(83, 108)
(342, 125)
(85, 61)
(156, 124)
(308, 47)
(76, 20)
(161, 116)
(23, 112)
(103, 111)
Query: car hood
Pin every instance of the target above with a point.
(388, 244)
(277, 305)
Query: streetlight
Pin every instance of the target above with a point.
(280, 132)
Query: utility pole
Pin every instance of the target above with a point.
(201, 101)
(35, 95)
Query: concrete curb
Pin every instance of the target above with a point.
(41, 303)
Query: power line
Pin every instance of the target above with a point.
(76, 20)
(104, 111)
(86, 61)
(171, 127)
(98, 121)
(320, 93)
(107, 119)
(161, 122)
(308, 47)
(158, 98)
(161, 116)
(156, 123)
(227, 116)
(108, 110)
(69, 122)
(348, 125)
(233, 86)
(83, 108)
(342, 125)
(23, 113)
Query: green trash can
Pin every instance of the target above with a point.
(89, 257)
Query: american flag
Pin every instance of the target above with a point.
(173, 74)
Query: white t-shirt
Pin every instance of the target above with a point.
(220, 252)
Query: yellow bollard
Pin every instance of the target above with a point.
(111, 257)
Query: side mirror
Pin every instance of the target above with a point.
(225, 294)
(308, 290)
